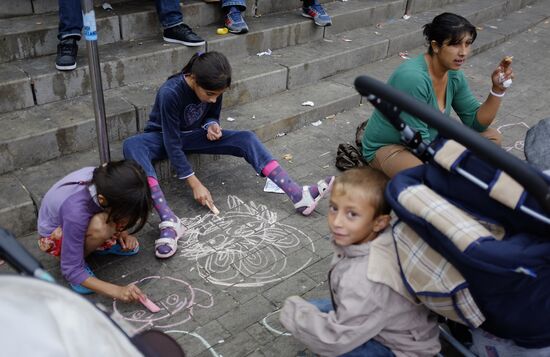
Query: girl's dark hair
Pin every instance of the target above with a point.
(124, 186)
(211, 70)
(448, 26)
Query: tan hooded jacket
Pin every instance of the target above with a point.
(364, 310)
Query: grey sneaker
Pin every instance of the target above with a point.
(66, 54)
(314, 10)
(234, 21)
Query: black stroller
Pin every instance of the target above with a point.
(483, 212)
(40, 318)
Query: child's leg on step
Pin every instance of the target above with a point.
(144, 148)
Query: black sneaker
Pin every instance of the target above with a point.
(66, 54)
(182, 34)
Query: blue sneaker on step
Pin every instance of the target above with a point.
(81, 289)
(313, 10)
(234, 21)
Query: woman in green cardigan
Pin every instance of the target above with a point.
(435, 78)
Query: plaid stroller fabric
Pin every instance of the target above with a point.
(400, 256)
(504, 260)
(434, 281)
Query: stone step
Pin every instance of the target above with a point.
(30, 7)
(35, 35)
(127, 62)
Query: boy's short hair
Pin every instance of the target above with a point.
(371, 181)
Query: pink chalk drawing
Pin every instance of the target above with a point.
(244, 246)
(177, 306)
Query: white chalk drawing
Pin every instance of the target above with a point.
(515, 127)
(176, 308)
(267, 325)
(200, 338)
(244, 246)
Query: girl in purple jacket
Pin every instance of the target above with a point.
(89, 211)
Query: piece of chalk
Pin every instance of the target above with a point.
(213, 208)
(151, 306)
(507, 83)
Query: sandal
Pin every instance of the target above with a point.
(117, 250)
(179, 228)
(78, 288)
(308, 203)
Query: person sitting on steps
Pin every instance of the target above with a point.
(70, 28)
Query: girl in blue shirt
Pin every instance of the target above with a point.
(185, 118)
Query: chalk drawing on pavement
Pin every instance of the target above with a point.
(510, 132)
(244, 246)
(268, 325)
(200, 338)
(176, 298)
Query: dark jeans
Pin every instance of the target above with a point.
(146, 147)
(241, 4)
(371, 348)
(70, 16)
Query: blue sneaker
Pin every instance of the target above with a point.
(117, 250)
(81, 289)
(234, 21)
(314, 10)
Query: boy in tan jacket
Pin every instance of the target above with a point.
(364, 317)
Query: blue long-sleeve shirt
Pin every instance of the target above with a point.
(177, 109)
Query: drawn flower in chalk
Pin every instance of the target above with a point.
(244, 246)
(176, 298)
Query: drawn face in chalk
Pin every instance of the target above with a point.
(176, 299)
(244, 246)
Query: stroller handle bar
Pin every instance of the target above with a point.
(528, 177)
(19, 258)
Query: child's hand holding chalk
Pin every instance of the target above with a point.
(151, 306)
(212, 208)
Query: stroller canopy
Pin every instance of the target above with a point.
(43, 319)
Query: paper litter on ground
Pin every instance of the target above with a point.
(308, 103)
(264, 53)
(270, 186)
(230, 119)
(317, 123)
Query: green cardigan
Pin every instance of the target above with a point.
(412, 77)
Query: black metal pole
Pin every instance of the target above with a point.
(90, 34)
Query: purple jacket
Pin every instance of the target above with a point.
(69, 204)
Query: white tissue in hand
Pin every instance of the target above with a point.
(507, 83)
